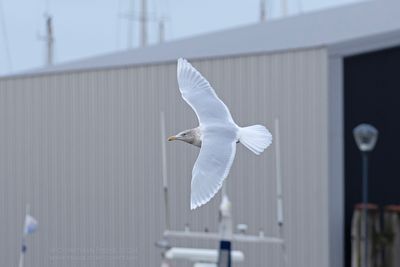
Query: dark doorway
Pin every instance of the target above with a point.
(372, 95)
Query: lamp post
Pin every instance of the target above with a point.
(365, 136)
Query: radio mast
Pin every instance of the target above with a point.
(143, 24)
(49, 40)
(263, 13)
(161, 30)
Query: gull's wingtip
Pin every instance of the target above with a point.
(196, 202)
(183, 67)
(181, 60)
(180, 63)
(196, 205)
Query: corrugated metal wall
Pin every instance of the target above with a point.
(84, 150)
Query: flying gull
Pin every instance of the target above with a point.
(216, 135)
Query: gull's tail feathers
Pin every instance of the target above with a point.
(256, 138)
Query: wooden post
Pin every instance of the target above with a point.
(358, 241)
(392, 236)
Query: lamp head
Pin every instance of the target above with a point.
(366, 136)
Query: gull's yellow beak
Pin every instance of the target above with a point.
(171, 138)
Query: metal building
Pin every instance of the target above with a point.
(80, 142)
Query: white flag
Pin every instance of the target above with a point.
(31, 224)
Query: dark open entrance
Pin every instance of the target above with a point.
(372, 95)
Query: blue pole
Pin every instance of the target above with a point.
(365, 202)
(224, 257)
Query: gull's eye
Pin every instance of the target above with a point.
(184, 134)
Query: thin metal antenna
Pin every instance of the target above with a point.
(27, 209)
(143, 24)
(130, 24)
(278, 175)
(5, 36)
(144, 18)
(279, 191)
(263, 13)
(284, 7)
(161, 30)
(23, 246)
(164, 171)
(21, 259)
(118, 27)
(49, 39)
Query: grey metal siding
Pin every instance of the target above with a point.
(336, 161)
(83, 148)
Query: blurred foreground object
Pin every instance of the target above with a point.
(384, 238)
(392, 233)
(358, 241)
(365, 136)
(30, 226)
(209, 256)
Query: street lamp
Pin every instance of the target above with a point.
(365, 136)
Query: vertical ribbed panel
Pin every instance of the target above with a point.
(84, 150)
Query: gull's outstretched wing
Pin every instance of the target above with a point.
(199, 94)
(218, 141)
(212, 165)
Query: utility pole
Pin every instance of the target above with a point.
(143, 19)
(225, 230)
(49, 40)
(161, 31)
(143, 24)
(130, 17)
(5, 37)
(263, 13)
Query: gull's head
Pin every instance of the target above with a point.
(187, 136)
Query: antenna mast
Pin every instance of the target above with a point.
(5, 36)
(263, 13)
(161, 30)
(49, 40)
(279, 191)
(130, 17)
(143, 24)
(284, 7)
(164, 171)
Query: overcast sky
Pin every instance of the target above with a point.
(84, 28)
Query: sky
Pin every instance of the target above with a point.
(85, 28)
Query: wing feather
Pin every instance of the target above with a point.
(200, 96)
(212, 165)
